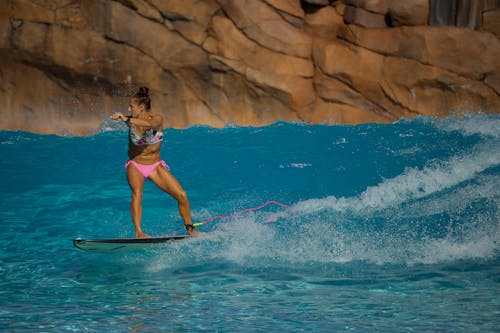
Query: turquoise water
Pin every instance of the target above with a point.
(396, 229)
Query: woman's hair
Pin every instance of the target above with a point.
(142, 97)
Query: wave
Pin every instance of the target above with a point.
(444, 208)
(413, 184)
(252, 244)
(479, 124)
(442, 212)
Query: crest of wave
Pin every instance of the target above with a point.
(413, 183)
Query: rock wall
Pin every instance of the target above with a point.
(67, 64)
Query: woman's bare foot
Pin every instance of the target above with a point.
(140, 234)
(194, 233)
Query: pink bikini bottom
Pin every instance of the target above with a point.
(147, 169)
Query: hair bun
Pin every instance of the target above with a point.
(144, 91)
(142, 97)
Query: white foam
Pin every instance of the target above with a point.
(480, 124)
(249, 242)
(449, 250)
(484, 188)
(416, 193)
(108, 125)
(413, 183)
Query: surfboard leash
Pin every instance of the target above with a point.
(267, 203)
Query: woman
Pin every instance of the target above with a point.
(145, 139)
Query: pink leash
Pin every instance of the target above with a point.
(272, 219)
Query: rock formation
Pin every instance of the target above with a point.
(67, 64)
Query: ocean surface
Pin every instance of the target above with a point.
(395, 228)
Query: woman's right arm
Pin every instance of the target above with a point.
(118, 116)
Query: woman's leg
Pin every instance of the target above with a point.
(162, 178)
(136, 183)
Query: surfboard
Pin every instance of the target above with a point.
(122, 244)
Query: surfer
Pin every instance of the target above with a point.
(145, 139)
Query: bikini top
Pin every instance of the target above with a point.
(150, 137)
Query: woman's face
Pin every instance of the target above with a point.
(134, 108)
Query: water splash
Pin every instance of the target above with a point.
(413, 184)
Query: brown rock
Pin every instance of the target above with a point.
(318, 2)
(263, 25)
(154, 39)
(441, 47)
(432, 91)
(254, 104)
(66, 64)
(375, 6)
(291, 7)
(31, 38)
(32, 11)
(401, 84)
(192, 31)
(324, 23)
(187, 10)
(293, 20)
(337, 113)
(5, 33)
(333, 90)
(294, 91)
(358, 68)
(93, 55)
(364, 18)
(340, 8)
(460, 13)
(415, 12)
(37, 102)
(5, 9)
(282, 75)
(233, 44)
(226, 65)
(212, 100)
(70, 16)
(187, 97)
(491, 21)
(493, 81)
(90, 55)
(16, 24)
(210, 45)
(215, 104)
(290, 10)
(145, 9)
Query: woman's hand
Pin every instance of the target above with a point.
(118, 116)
